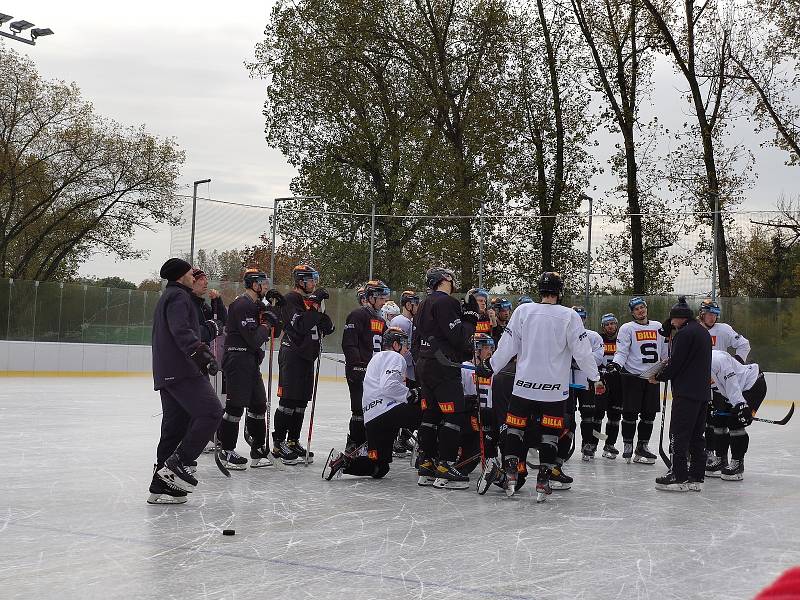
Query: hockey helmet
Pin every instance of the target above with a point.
(252, 276)
(436, 275)
(710, 306)
(636, 301)
(476, 292)
(409, 296)
(360, 294)
(482, 340)
(524, 300)
(550, 283)
(581, 311)
(501, 304)
(377, 289)
(303, 273)
(389, 311)
(607, 319)
(394, 334)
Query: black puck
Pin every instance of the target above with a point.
(228, 532)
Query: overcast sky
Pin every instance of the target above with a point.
(178, 68)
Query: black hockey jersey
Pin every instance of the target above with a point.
(362, 337)
(244, 330)
(439, 327)
(303, 326)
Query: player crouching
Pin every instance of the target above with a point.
(388, 406)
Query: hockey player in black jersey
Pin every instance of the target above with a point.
(500, 313)
(485, 322)
(609, 403)
(305, 324)
(249, 324)
(361, 339)
(445, 325)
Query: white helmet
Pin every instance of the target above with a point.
(389, 311)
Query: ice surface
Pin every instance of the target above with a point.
(74, 522)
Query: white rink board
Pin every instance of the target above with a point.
(75, 523)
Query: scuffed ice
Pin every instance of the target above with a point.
(74, 522)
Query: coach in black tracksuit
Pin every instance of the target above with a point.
(689, 370)
(191, 410)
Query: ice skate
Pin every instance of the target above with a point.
(283, 452)
(587, 452)
(668, 483)
(260, 457)
(543, 488)
(627, 452)
(609, 451)
(491, 473)
(714, 466)
(231, 459)
(447, 476)
(426, 472)
(399, 449)
(295, 446)
(335, 465)
(559, 480)
(642, 455)
(175, 475)
(695, 485)
(191, 467)
(734, 471)
(161, 493)
(511, 468)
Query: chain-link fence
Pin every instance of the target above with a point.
(56, 312)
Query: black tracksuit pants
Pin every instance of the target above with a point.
(686, 427)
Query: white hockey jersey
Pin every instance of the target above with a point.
(404, 323)
(384, 384)
(476, 386)
(639, 346)
(723, 337)
(730, 378)
(544, 338)
(596, 343)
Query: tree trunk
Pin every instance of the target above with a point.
(635, 210)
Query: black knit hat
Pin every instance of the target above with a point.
(174, 269)
(681, 310)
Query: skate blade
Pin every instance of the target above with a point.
(557, 485)
(510, 490)
(166, 499)
(446, 484)
(424, 480)
(609, 455)
(541, 497)
(258, 463)
(737, 477)
(628, 459)
(713, 474)
(233, 466)
(289, 461)
(587, 457)
(643, 460)
(679, 487)
(695, 487)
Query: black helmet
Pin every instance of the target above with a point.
(252, 276)
(436, 275)
(580, 310)
(480, 340)
(475, 292)
(409, 296)
(394, 334)
(550, 284)
(680, 310)
(709, 305)
(377, 288)
(360, 294)
(303, 273)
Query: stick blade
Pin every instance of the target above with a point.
(220, 466)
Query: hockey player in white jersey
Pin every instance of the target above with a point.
(544, 337)
(723, 337)
(740, 390)
(387, 404)
(389, 311)
(639, 347)
(585, 400)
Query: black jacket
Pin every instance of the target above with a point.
(439, 327)
(216, 312)
(689, 366)
(176, 335)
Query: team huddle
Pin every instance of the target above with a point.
(457, 385)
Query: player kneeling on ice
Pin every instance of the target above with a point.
(388, 406)
(544, 337)
(740, 390)
(689, 370)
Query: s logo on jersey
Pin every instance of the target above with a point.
(646, 335)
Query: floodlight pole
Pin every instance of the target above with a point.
(714, 250)
(194, 215)
(275, 229)
(21, 25)
(480, 249)
(371, 241)
(588, 252)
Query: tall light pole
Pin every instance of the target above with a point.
(371, 241)
(194, 215)
(480, 250)
(21, 25)
(588, 251)
(275, 229)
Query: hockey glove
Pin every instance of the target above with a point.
(204, 360)
(325, 325)
(214, 327)
(318, 296)
(266, 317)
(413, 396)
(470, 312)
(276, 296)
(484, 369)
(613, 367)
(598, 387)
(743, 414)
(666, 329)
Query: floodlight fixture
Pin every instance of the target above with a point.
(40, 31)
(4, 18)
(21, 25)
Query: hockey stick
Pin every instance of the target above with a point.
(313, 406)
(480, 421)
(782, 421)
(661, 452)
(333, 358)
(218, 460)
